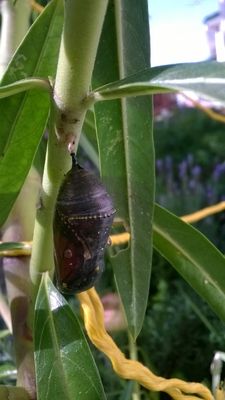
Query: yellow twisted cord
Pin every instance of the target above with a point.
(119, 239)
(207, 110)
(205, 212)
(220, 394)
(93, 314)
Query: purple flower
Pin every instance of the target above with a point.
(196, 171)
(159, 165)
(190, 159)
(192, 184)
(168, 163)
(218, 171)
(182, 168)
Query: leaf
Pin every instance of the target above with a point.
(24, 116)
(196, 259)
(23, 85)
(61, 350)
(206, 79)
(124, 132)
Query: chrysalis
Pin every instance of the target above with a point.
(83, 218)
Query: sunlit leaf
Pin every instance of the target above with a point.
(124, 132)
(206, 79)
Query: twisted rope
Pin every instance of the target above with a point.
(93, 314)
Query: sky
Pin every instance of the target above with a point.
(177, 31)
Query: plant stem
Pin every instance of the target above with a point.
(81, 34)
(136, 395)
(80, 38)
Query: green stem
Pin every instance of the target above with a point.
(80, 38)
(136, 394)
(81, 34)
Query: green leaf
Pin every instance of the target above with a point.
(124, 132)
(61, 351)
(23, 85)
(24, 116)
(196, 259)
(206, 79)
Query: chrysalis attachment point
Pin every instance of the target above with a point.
(71, 147)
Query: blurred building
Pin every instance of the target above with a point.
(164, 104)
(215, 30)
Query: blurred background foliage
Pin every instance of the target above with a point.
(190, 167)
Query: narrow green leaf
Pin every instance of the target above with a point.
(124, 132)
(196, 259)
(207, 79)
(61, 351)
(23, 85)
(24, 116)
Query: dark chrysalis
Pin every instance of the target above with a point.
(83, 218)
